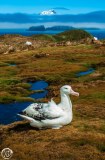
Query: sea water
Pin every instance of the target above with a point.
(99, 33)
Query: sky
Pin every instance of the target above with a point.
(36, 6)
(74, 7)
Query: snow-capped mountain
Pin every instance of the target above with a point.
(48, 12)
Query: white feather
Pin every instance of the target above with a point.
(51, 115)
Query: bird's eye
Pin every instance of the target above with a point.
(66, 88)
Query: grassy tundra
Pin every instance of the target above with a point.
(84, 138)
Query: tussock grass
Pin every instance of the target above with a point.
(84, 138)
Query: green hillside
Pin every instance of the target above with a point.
(72, 35)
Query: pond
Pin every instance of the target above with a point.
(83, 73)
(8, 112)
(39, 85)
(13, 65)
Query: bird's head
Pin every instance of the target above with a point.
(68, 90)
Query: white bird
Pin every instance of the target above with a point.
(51, 115)
(28, 43)
(95, 38)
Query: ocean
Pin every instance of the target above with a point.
(100, 34)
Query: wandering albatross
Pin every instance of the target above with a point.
(51, 115)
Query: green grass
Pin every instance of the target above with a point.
(45, 37)
(72, 35)
(2, 64)
(96, 95)
(11, 81)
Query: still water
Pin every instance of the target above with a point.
(83, 73)
(8, 112)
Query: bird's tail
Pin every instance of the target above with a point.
(26, 117)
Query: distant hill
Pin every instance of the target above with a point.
(57, 28)
(37, 28)
(53, 28)
(72, 35)
(60, 28)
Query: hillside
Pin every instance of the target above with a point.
(73, 35)
(18, 42)
(76, 35)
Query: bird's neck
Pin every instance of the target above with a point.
(65, 102)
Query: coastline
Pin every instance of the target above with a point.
(100, 33)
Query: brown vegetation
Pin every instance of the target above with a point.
(84, 138)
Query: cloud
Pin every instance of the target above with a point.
(61, 8)
(47, 24)
(20, 18)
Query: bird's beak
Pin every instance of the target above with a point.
(74, 93)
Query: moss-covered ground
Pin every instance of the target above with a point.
(84, 138)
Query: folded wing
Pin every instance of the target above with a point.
(43, 111)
